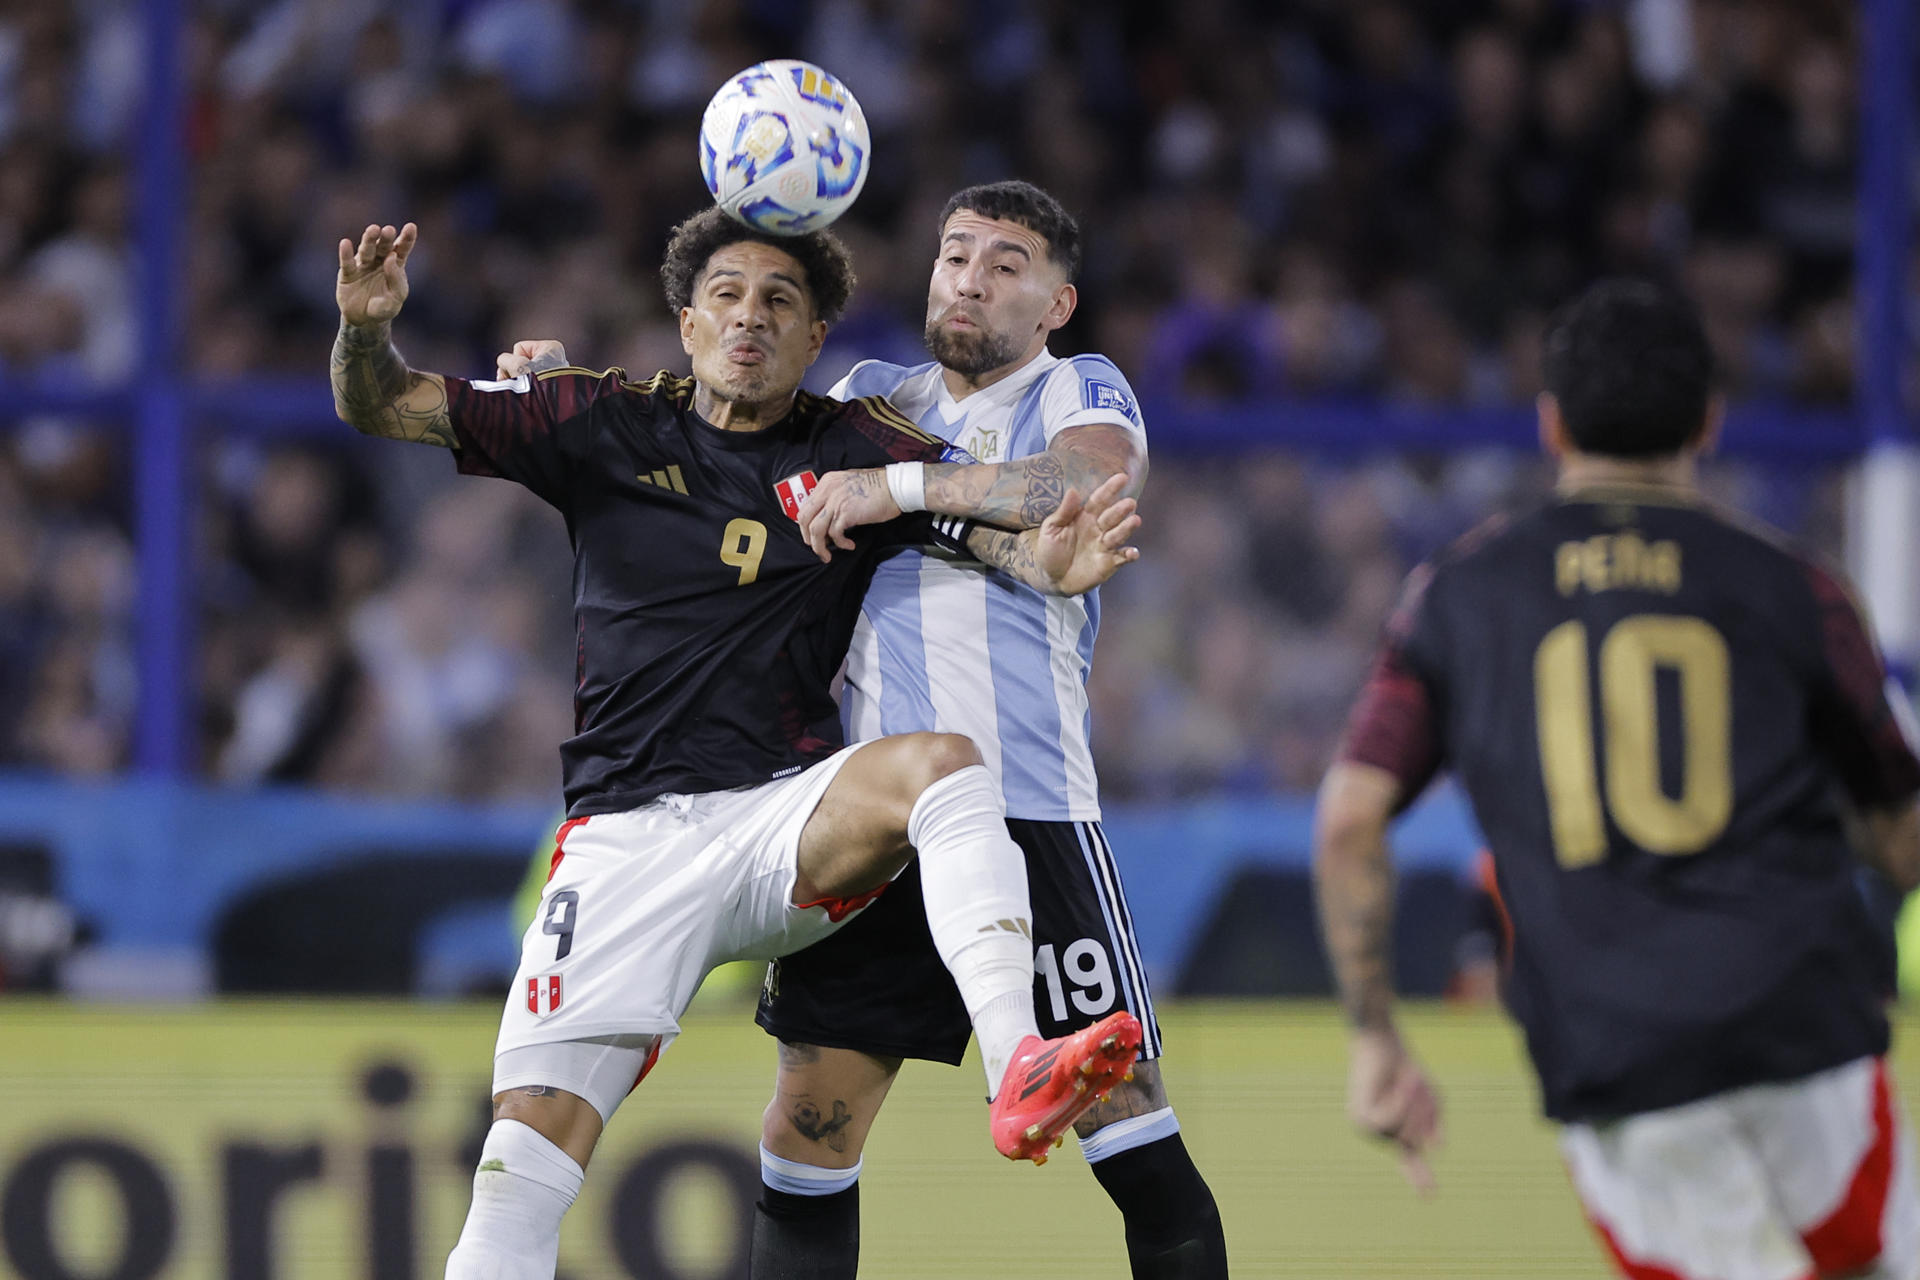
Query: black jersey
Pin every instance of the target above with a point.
(707, 634)
(1659, 714)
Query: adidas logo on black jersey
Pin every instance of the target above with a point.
(668, 479)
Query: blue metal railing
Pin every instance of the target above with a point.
(162, 452)
(165, 408)
(1888, 58)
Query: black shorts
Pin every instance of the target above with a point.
(878, 984)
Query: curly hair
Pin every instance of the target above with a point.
(823, 258)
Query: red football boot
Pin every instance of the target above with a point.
(1051, 1083)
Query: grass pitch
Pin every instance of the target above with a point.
(1258, 1087)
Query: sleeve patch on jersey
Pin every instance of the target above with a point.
(520, 385)
(1104, 395)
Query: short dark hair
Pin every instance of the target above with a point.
(822, 256)
(1032, 208)
(1629, 363)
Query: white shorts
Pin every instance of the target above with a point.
(642, 905)
(1793, 1181)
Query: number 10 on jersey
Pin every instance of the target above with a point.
(1632, 655)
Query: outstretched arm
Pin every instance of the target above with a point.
(1075, 549)
(373, 389)
(1010, 495)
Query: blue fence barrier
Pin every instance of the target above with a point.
(151, 865)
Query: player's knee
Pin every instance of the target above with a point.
(772, 1121)
(935, 756)
(817, 1138)
(565, 1119)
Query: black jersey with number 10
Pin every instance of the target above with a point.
(1658, 713)
(707, 634)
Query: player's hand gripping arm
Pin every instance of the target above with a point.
(533, 355)
(373, 389)
(1011, 495)
(1388, 1094)
(1075, 549)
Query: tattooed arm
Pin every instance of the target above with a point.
(1078, 547)
(1010, 495)
(1022, 493)
(373, 389)
(1353, 882)
(1388, 1093)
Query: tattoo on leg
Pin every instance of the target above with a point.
(1143, 1095)
(815, 1127)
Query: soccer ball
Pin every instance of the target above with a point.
(784, 147)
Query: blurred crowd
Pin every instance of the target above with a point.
(1379, 198)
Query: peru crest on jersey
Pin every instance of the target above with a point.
(793, 491)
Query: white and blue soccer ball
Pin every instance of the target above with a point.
(784, 147)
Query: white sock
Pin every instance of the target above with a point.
(1000, 1025)
(798, 1179)
(1129, 1135)
(974, 880)
(523, 1188)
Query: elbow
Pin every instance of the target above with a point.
(344, 412)
(1888, 840)
(1350, 815)
(1343, 837)
(1900, 850)
(354, 419)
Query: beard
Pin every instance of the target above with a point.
(747, 384)
(971, 353)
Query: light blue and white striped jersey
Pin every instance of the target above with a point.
(956, 648)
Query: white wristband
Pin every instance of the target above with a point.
(907, 482)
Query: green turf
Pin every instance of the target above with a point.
(1258, 1088)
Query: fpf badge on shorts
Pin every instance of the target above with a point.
(543, 995)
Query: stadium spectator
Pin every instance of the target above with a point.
(1362, 200)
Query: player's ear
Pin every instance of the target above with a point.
(1553, 428)
(1065, 299)
(816, 339)
(686, 330)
